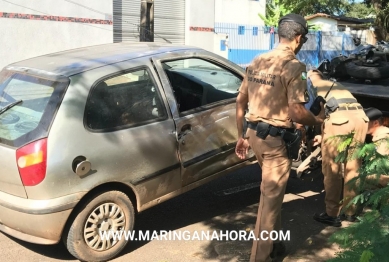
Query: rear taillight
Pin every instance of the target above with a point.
(31, 160)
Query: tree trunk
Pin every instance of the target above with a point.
(381, 33)
(377, 4)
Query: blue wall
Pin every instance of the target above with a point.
(245, 45)
(243, 57)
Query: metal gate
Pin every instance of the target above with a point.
(169, 21)
(126, 20)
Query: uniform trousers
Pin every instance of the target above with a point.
(275, 165)
(341, 123)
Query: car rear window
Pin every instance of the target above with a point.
(33, 100)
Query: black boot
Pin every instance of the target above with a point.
(326, 219)
(279, 249)
(349, 218)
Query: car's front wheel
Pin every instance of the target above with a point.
(90, 236)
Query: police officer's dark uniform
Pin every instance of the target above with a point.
(273, 81)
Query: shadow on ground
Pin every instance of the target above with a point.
(231, 203)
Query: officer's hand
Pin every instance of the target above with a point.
(242, 148)
(322, 114)
(317, 140)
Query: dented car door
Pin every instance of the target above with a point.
(201, 90)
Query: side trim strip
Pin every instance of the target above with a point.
(208, 155)
(155, 174)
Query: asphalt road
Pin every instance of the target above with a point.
(228, 203)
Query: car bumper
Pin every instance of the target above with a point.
(36, 221)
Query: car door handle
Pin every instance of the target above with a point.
(184, 131)
(186, 128)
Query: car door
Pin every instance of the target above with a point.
(202, 89)
(126, 118)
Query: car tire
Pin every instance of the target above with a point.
(359, 71)
(111, 210)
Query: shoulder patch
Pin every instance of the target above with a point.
(304, 75)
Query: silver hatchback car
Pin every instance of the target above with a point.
(90, 137)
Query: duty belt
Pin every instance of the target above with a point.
(350, 108)
(334, 105)
(291, 137)
(272, 130)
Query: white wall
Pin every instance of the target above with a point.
(26, 38)
(209, 13)
(200, 13)
(239, 11)
(327, 24)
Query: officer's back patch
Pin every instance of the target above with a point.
(304, 75)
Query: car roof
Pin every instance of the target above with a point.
(75, 61)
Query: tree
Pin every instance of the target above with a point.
(377, 4)
(309, 7)
(381, 8)
(274, 11)
(360, 10)
(367, 240)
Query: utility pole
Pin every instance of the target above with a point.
(146, 21)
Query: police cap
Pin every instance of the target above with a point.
(373, 113)
(295, 18)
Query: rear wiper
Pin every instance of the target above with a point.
(2, 110)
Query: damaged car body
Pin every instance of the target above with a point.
(89, 137)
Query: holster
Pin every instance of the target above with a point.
(331, 105)
(263, 130)
(292, 142)
(292, 139)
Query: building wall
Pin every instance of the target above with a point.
(33, 28)
(327, 24)
(247, 36)
(213, 25)
(199, 23)
(239, 11)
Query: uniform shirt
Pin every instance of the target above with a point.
(381, 134)
(338, 91)
(272, 81)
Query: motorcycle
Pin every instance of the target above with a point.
(366, 62)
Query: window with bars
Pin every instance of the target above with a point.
(241, 30)
(255, 30)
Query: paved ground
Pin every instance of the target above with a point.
(229, 203)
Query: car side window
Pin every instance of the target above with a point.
(129, 99)
(197, 82)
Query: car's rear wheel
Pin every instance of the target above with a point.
(110, 211)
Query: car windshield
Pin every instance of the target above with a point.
(26, 111)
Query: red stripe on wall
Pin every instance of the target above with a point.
(56, 18)
(202, 29)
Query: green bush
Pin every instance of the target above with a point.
(368, 239)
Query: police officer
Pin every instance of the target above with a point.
(380, 136)
(344, 116)
(275, 91)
